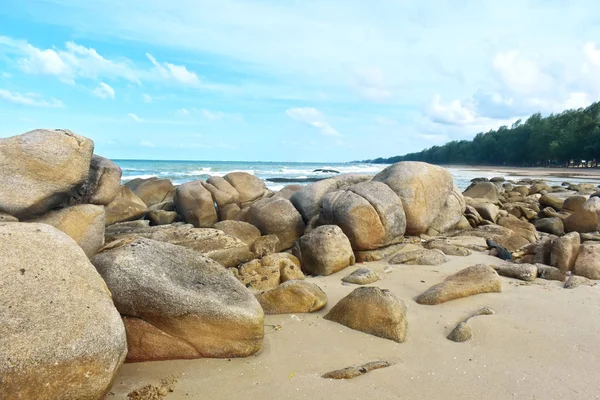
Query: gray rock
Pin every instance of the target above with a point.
(524, 272)
(552, 225)
(249, 187)
(361, 276)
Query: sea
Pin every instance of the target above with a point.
(283, 173)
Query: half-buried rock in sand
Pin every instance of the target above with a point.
(293, 297)
(177, 303)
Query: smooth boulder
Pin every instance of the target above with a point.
(152, 190)
(200, 307)
(324, 251)
(125, 207)
(292, 297)
(101, 185)
(61, 336)
(244, 231)
(564, 251)
(196, 205)
(248, 187)
(277, 216)
(588, 261)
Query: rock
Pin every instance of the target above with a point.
(423, 189)
(485, 190)
(447, 247)
(224, 249)
(229, 212)
(524, 272)
(125, 207)
(61, 336)
(277, 216)
(101, 185)
(152, 190)
(378, 254)
(500, 251)
(41, 169)
(552, 201)
(522, 190)
(83, 223)
(575, 281)
(308, 200)
(574, 203)
(585, 219)
(467, 282)
(164, 206)
(265, 245)
(588, 261)
(499, 234)
(244, 231)
(249, 187)
(289, 266)
(288, 191)
(293, 297)
(202, 309)
(353, 372)
(594, 236)
(324, 251)
(463, 331)
(372, 310)
(564, 251)
(361, 276)
(4, 217)
(420, 257)
(521, 228)
(552, 225)
(223, 193)
(539, 187)
(370, 214)
(550, 273)
(161, 217)
(195, 204)
(488, 211)
(259, 277)
(451, 213)
(538, 252)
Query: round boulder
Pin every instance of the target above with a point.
(195, 204)
(277, 216)
(324, 251)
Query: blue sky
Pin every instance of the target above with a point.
(290, 80)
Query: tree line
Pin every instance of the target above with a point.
(568, 139)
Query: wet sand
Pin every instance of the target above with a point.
(541, 344)
(579, 173)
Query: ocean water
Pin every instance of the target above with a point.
(295, 172)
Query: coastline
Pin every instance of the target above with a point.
(577, 173)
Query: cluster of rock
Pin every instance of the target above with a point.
(95, 272)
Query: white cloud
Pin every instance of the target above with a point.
(135, 117)
(147, 143)
(147, 98)
(104, 91)
(371, 85)
(6, 75)
(313, 117)
(28, 99)
(451, 113)
(521, 74)
(591, 53)
(178, 73)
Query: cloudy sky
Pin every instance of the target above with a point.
(290, 80)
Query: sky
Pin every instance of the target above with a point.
(290, 80)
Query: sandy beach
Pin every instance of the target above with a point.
(541, 344)
(578, 173)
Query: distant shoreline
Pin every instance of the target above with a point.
(579, 173)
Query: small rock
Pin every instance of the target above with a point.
(551, 273)
(353, 372)
(265, 245)
(448, 248)
(161, 217)
(362, 276)
(524, 272)
(575, 281)
(463, 331)
(292, 297)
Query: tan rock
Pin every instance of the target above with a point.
(41, 169)
(152, 190)
(467, 282)
(524, 272)
(277, 216)
(372, 310)
(463, 331)
(451, 213)
(61, 336)
(420, 257)
(222, 191)
(265, 245)
(162, 217)
(361, 276)
(125, 207)
(586, 218)
(353, 372)
(324, 251)
(564, 251)
(196, 205)
(293, 297)
(447, 248)
(101, 185)
(484, 191)
(244, 231)
(249, 187)
(259, 277)
(588, 261)
(548, 200)
(574, 203)
(4, 217)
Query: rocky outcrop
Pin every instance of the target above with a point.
(196, 205)
(324, 251)
(248, 187)
(553, 225)
(101, 185)
(83, 223)
(564, 251)
(370, 214)
(202, 309)
(277, 216)
(372, 310)
(125, 207)
(41, 169)
(423, 189)
(486, 191)
(450, 215)
(152, 190)
(467, 282)
(61, 336)
(588, 261)
(244, 231)
(293, 297)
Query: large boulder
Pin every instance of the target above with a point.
(372, 310)
(200, 308)
(277, 216)
(574, 203)
(244, 231)
(196, 205)
(249, 187)
(369, 213)
(588, 261)
(485, 191)
(553, 225)
(467, 282)
(451, 213)
(586, 218)
(293, 297)
(41, 169)
(61, 336)
(125, 207)
(224, 249)
(288, 191)
(83, 223)
(487, 211)
(324, 251)
(548, 200)
(308, 200)
(423, 189)
(152, 190)
(101, 185)
(222, 191)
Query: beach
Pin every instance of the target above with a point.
(541, 344)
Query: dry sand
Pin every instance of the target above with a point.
(542, 343)
(579, 173)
